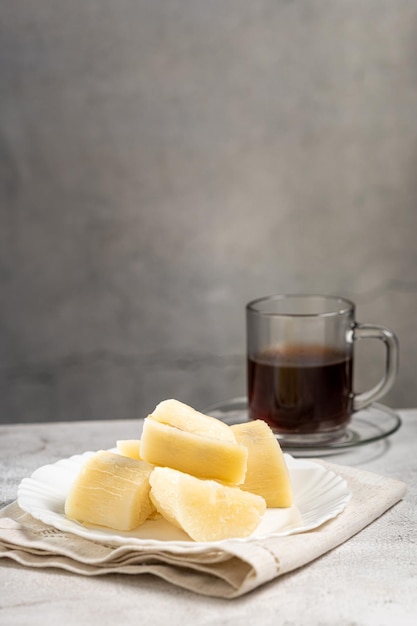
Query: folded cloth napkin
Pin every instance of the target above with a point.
(235, 569)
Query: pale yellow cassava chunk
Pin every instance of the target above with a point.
(111, 490)
(184, 417)
(129, 447)
(267, 473)
(177, 436)
(205, 509)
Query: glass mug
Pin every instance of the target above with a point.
(300, 365)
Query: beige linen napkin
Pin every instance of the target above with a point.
(232, 571)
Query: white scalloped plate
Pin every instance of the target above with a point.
(319, 496)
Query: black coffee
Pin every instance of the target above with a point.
(301, 389)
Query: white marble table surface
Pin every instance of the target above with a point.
(369, 580)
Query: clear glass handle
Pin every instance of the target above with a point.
(370, 331)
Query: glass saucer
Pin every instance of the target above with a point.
(367, 426)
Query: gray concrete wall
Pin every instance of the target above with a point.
(162, 162)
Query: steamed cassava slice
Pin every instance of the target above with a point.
(205, 509)
(177, 436)
(111, 490)
(129, 447)
(184, 417)
(267, 473)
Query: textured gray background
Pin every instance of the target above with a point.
(162, 162)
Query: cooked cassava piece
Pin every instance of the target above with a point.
(267, 473)
(177, 436)
(129, 447)
(111, 490)
(205, 509)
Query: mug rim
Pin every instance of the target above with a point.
(346, 305)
